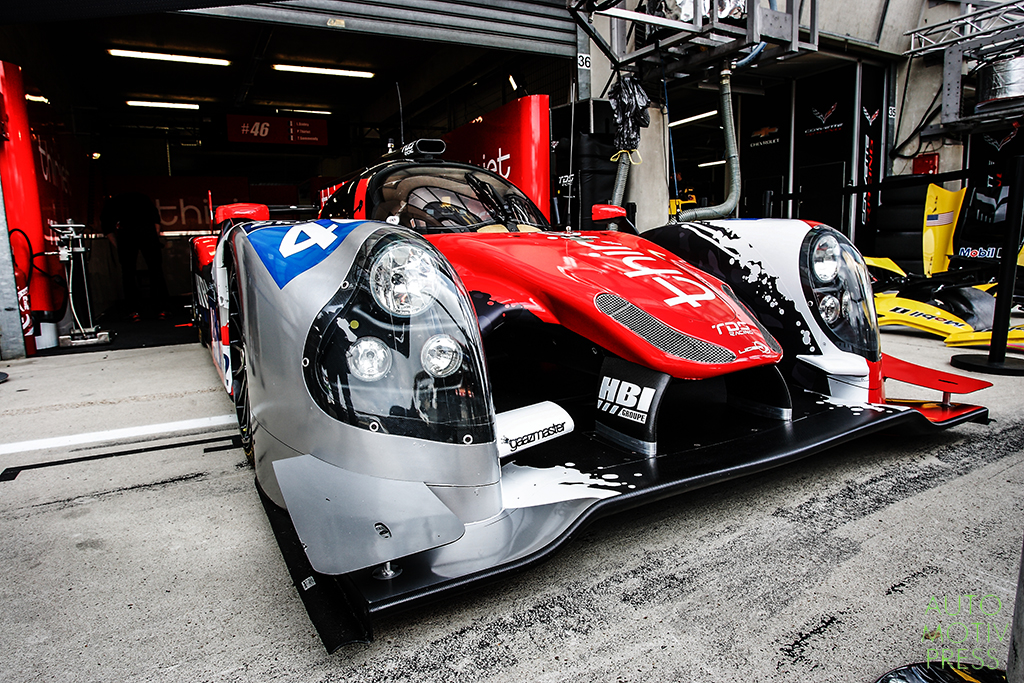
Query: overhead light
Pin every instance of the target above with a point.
(711, 163)
(36, 98)
(322, 71)
(691, 119)
(163, 105)
(96, 155)
(512, 82)
(159, 56)
(306, 111)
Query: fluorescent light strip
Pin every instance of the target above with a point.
(323, 72)
(36, 98)
(711, 163)
(306, 111)
(159, 56)
(698, 117)
(162, 105)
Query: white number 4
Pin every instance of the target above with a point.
(315, 234)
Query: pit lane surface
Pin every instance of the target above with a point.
(149, 557)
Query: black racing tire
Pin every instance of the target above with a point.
(239, 372)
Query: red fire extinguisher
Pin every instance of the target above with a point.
(27, 328)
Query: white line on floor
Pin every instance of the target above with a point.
(117, 434)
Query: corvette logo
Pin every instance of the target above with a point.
(824, 117)
(1002, 143)
(870, 117)
(825, 127)
(625, 399)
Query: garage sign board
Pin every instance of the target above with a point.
(276, 130)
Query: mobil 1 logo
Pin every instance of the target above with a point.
(628, 399)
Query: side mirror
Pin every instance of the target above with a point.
(606, 212)
(251, 212)
(614, 216)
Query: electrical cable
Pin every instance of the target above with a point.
(932, 113)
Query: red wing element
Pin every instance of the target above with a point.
(942, 413)
(946, 382)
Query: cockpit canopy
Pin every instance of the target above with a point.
(439, 198)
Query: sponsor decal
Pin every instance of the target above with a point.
(866, 199)
(762, 136)
(685, 290)
(925, 316)
(823, 117)
(734, 329)
(625, 399)
(539, 435)
(974, 252)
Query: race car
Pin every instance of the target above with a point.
(437, 388)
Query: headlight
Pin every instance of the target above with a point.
(838, 291)
(441, 356)
(397, 349)
(403, 279)
(825, 255)
(369, 359)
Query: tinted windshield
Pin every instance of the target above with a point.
(452, 199)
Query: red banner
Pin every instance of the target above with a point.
(276, 130)
(514, 141)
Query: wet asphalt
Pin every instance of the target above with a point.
(130, 552)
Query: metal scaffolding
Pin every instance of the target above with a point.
(969, 43)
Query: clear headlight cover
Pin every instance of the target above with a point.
(825, 258)
(838, 290)
(397, 348)
(403, 279)
(441, 356)
(369, 359)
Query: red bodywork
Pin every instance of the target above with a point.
(556, 277)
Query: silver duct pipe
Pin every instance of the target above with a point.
(731, 157)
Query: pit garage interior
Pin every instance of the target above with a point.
(859, 542)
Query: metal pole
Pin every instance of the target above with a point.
(997, 363)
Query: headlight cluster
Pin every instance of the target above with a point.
(397, 348)
(838, 290)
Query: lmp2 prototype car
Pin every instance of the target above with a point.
(437, 388)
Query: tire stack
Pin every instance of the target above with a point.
(899, 222)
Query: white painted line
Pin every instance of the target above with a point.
(116, 434)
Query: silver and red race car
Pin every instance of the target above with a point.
(436, 388)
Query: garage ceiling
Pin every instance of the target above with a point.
(441, 83)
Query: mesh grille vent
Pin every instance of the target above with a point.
(658, 334)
